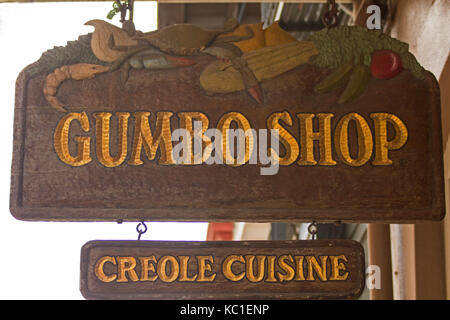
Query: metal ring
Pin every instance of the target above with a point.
(330, 20)
(141, 231)
(312, 229)
(330, 17)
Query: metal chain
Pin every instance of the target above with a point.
(124, 7)
(312, 229)
(141, 228)
(330, 17)
(130, 8)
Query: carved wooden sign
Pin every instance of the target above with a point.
(309, 269)
(185, 124)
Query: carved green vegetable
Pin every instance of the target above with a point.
(356, 85)
(334, 79)
(363, 53)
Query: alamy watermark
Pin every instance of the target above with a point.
(373, 277)
(233, 147)
(374, 20)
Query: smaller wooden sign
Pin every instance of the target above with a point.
(318, 269)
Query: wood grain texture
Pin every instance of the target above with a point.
(221, 287)
(45, 188)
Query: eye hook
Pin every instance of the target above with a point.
(312, 229)
(330, 17)
(141, 228)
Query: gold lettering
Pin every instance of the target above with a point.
(99, 272)
(271, 269)
(299, 268)
(186, 119)
(365, 143)
(184, 263)
(170, 268)
(224, 126)
(103, 137)
(204, 264)
(302, 151)
(227, 268)
(249, 268)
(321, 271)
(126, 265)
(337, 266)
(307, 137)
(285, 137)
(61, 140)
(289, 275)
(147, 265)
(162, 271)
(382, 145)
(143, 136)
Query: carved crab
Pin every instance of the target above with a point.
(166, 48)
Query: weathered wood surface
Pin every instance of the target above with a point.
(45, 188)
(113, 270)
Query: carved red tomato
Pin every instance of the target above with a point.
(386, 64)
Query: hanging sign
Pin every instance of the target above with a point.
(308, 269)
(186, 124)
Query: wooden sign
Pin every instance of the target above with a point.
(240, 124)
(310, 269)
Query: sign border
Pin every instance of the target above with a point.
(218, 214)
(84, 263)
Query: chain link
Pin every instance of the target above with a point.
(123, 8)
(141, 228)
(330, 17)
(312, 229)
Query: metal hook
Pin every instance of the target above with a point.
(330, 17)
(123, 8)
(141, 231)
(312, 229)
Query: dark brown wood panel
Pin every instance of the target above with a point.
(367, 150)
(45, 188)
(319, 269)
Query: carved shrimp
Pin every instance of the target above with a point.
(80, 71)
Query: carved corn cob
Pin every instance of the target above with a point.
(266, 63)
